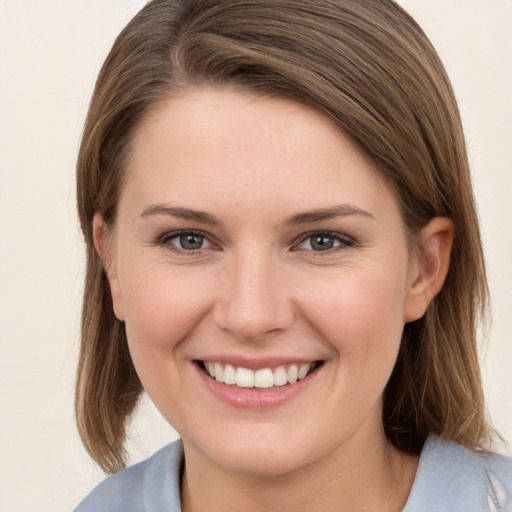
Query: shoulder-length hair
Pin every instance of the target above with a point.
(367, 65)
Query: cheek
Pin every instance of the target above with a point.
(360, 312)
(162, 305)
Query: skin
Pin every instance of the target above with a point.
(257, 287)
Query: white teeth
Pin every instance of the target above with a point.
(229, 375)
(280, 376)
(244, 378)
(304, 370)
(219, 372)
(264, 378)
(292, 374)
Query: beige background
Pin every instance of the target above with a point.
(50, 52)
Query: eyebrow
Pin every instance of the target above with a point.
(182, 213)
(342, 210)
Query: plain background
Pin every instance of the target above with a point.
(50, 53)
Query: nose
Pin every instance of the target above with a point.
(253, 301)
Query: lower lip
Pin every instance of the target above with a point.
(253, 398)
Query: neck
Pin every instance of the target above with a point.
(358, 476)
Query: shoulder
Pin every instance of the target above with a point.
(151, 485)
(453, 478)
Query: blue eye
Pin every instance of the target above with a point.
(322, 242)
(186, 241)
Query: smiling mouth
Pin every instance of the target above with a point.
(264, 378)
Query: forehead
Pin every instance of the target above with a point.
(232, 118)
(244, 148)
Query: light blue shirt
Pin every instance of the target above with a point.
(449, 478)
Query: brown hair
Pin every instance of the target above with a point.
(366, 64)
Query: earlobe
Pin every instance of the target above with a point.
(430, 266)
(105, 250)
(100, 235)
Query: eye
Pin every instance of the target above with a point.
(324, 241)
(186, 241)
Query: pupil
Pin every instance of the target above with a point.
(322, 243)
(191, 242)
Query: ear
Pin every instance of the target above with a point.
(429, 266)
(104, 244)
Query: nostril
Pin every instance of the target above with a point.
(261, 322)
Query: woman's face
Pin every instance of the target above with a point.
(257, 242)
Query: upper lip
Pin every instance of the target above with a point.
(256, 363)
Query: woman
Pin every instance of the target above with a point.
(283, 252)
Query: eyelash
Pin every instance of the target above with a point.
(344, 242)
(165, 240)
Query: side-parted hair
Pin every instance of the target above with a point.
(367, 65)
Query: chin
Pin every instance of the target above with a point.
(262, 462)
(267, 454)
